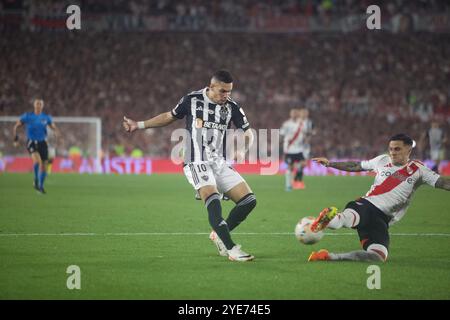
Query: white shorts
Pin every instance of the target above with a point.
(51, 153)
(437, 154)
(223, 176)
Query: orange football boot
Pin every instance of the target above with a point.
(321, 255)
(324, 219)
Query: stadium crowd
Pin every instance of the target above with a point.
(359, 87)
(218, 8)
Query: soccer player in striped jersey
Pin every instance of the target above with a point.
(36, 124)
(209, 112)
(397, 178)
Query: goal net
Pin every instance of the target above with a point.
(82, 135)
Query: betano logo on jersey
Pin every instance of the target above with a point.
(199, 123)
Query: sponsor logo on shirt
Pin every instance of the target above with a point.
(199, 123)
(213, 125)
(399, 176)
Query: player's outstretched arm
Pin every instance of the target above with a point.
(161, 120)
(15, 135)
(344, 166)
(443, 183)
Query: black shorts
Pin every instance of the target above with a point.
(373, 224)
(38, 146)
(293, 157)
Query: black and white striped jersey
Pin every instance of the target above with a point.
(207, 123)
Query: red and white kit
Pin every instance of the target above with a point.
(394, 185)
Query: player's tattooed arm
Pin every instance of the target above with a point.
(443, 183)
(344, 166)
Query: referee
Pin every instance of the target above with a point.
(36, 124)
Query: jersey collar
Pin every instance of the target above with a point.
(401, 166)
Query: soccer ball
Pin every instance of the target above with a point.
(303, 231)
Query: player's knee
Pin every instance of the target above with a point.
(207, 191)
(252, 203)
(211, 198)
(37, 161)
(380, 251)
(249, 201)
(42, 167)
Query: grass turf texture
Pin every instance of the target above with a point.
(119, 263)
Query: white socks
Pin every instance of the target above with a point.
(359, 255)
(288, 176)
(348, 218)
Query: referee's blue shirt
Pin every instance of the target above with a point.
(36, 125)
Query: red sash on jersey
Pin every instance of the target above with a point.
(297, 133)
(394, 180)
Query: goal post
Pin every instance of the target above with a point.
(84, 133)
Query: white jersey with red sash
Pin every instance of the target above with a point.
(394, 186)
(295, 132)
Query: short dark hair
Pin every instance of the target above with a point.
(402, 137)
(223, 76)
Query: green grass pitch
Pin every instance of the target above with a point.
(145, 237)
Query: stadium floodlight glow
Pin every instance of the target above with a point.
(84, 132)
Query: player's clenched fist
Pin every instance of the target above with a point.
(129, 125)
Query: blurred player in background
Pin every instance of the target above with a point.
(397, 178)
(296, 133)
(436, 139)
(209, 113)
(36, 124)
(307, 132)
(51, 143)
(291, 148)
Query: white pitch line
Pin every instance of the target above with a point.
(90, 234)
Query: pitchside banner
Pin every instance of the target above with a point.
(128, 165)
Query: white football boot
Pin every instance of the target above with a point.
(236, 254)
(219, 244)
